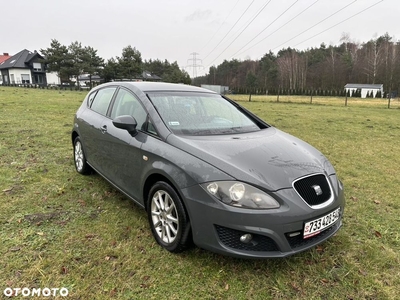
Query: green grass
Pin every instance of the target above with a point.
(60, 229)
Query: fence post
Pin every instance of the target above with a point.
(279, 90)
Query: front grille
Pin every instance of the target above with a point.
(309, 188)
(231, 238)
(298, 241)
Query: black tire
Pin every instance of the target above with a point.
(81, 166)
(168, 219)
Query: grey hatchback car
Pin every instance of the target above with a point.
(207, 170)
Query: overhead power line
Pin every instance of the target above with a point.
(221, 25)
(229, 30)
(275, 30)
(340, 22)
(330, 16)
(242, 30)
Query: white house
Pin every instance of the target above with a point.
(365, 89)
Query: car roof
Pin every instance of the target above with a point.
(146, 86)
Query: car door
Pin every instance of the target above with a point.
(91, 132)
(122, 161)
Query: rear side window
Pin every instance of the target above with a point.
(100, 101)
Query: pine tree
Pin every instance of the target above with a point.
(57, 59)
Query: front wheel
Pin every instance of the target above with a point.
(81, 165)
(168, 219)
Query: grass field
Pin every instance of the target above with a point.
(60, 229)
(328, 101)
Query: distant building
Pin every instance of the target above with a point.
(86, 79)
(144, 76)
(220, 89)
(53, 79)
(25, 67)
(3, 57)
(148, 76)
(364, 88)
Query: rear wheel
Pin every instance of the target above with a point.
(81, 165)
(168, 219)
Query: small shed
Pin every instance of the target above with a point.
(220, 89)
(364, 88)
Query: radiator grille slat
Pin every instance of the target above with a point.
(314, 190)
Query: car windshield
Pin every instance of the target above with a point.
(191, 113)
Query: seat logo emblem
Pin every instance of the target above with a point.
(317, 189)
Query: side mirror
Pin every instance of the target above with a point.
(126, 122)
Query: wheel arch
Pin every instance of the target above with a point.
(157, 177)
(151, 180)
(74, 135)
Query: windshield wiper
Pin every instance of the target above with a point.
(240, 129)
(203, 131)
(233, 130)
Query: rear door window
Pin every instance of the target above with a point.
(101, 100)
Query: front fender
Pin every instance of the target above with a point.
(179, 167)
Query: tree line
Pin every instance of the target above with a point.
(326, 69)
(71, 61)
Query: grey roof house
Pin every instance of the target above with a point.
(25, 67)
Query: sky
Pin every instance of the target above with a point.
(201, 33)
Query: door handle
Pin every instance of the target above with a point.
(103, 129)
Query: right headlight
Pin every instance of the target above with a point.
(239, 194)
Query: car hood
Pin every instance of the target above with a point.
(268, 158)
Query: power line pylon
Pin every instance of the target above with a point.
(194, 64)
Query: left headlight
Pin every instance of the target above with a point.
(240, 194)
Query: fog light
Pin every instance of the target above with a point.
(246, 238)
(293, 234)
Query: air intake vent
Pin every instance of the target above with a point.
(231, 238)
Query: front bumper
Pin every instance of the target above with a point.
(275, 233)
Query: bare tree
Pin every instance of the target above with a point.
(292, 67)
(373, 60)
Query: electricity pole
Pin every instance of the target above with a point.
(194, 64)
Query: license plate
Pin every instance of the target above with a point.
(316, 226)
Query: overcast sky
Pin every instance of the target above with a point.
(173, 29)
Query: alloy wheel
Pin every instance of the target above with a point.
(79, 157)
(164, 216)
